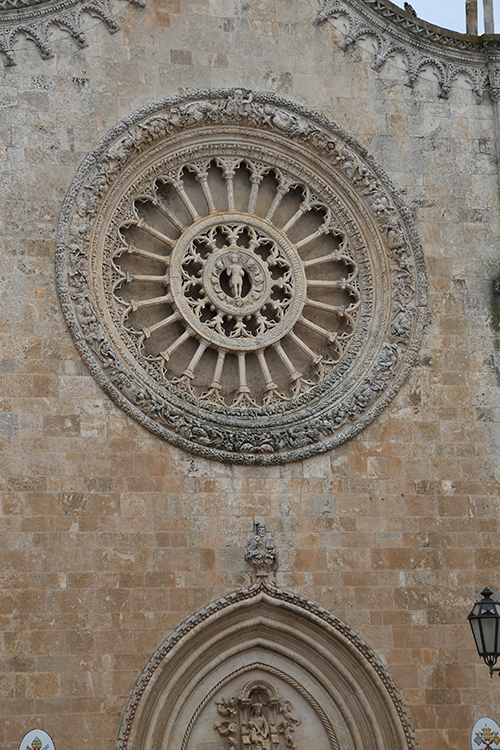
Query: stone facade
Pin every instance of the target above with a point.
(112, 536)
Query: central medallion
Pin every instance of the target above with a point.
(237, 281)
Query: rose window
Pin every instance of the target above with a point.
(240, 276)
(238, 285)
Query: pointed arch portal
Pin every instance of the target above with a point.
(264, 669)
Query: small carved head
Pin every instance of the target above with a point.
(496, 286)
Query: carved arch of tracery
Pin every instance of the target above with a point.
(263, 669)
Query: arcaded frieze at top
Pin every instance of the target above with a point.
(422, 44)
(395, 31)
(35, 19)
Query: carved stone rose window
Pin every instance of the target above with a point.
(240, 276)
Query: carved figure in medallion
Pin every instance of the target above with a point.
(236, 274)
(262, 719)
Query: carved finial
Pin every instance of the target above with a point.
(261, 553)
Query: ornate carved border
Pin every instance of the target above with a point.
(450, 54)
(34, 19)
(300, 610)
(348, 399)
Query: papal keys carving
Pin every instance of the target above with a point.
(240, 276)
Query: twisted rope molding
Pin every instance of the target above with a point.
(264, 592)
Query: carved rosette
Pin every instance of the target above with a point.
(240, 276)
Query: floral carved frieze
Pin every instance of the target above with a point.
(35, 19)
(240, 276)
(395, 32)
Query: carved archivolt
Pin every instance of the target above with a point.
(34, 19)
(263, 669)
(240, 276)
(422, 45)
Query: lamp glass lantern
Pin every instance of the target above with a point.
(485, 624)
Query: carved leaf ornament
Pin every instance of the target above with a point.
(240, 276)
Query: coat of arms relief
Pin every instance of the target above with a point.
(257, 718)
(485, 738)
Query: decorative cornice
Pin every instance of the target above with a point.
(394, 31)
(35, 18)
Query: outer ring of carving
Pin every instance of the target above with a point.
(260, 615)
(306, 425)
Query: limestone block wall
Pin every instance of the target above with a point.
(110, 537)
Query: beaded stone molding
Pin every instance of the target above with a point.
(422, 45)
(35, 18)
(240, 276)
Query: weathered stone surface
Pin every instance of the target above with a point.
(111, 536)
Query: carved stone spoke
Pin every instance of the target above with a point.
(147, 254)
(155, 232)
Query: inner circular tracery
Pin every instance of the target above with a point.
(239, 287)
(236, 283)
